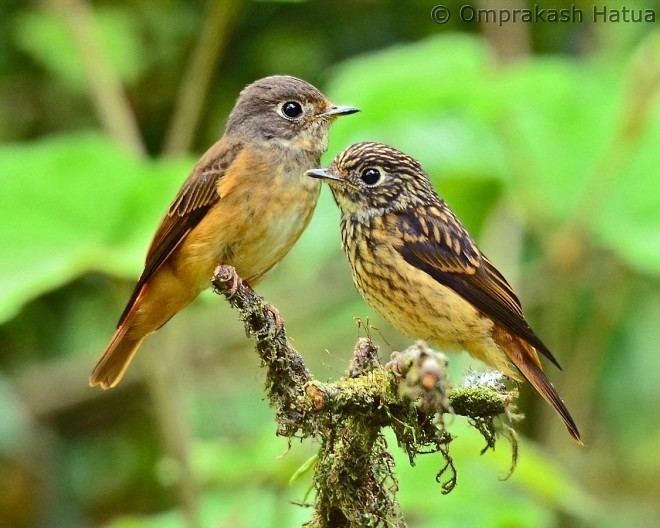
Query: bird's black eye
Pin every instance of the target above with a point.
(292, 110)
(370, 176)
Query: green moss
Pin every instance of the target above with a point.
(477, 401)
(354, 474)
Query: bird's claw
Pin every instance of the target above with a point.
(235, 284)
(227, 275)
(277, 318)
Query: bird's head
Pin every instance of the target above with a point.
(285, 111)
(368, 178)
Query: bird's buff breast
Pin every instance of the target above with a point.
(256, 221)
(411, 300)
(273, 227)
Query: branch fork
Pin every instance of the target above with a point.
(354, 473)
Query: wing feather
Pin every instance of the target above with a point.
(196, 196)
(439, 245)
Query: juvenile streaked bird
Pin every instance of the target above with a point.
(413, 261)
(244, 204)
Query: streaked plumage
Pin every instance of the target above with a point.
(245, 204)
(415, 263)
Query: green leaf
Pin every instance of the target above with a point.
(424, 98)
(72, 205)
(628, 221)
(304, 468)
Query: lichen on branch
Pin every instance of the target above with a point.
(354, 475)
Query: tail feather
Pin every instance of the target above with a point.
(524, 357)
(115, 360)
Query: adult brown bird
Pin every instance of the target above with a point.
(415, 263)
(245, 204)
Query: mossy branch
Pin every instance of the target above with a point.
(354, 473)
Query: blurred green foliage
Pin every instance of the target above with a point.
(44, 36)
(91, 208)
(552, 161)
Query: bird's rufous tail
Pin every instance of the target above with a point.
(115, 359)
(526, 360)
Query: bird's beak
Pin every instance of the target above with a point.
(322, 174)
(335, 111)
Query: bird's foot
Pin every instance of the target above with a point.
(229, 278)
(277, 317)
(235, 284)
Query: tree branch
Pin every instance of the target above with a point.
(354, 473)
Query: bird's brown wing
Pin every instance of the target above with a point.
(439, 245)
(197, 195)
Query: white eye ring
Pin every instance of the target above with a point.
(371, 176)
(291, 110)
